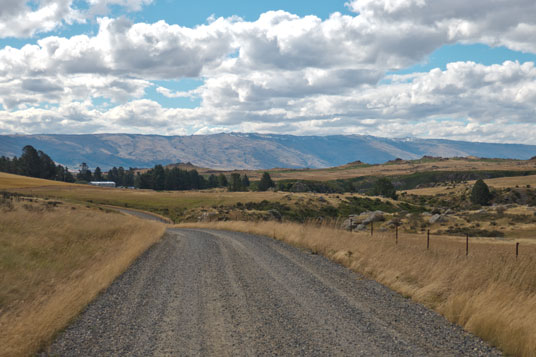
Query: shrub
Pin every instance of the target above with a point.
(480, 194)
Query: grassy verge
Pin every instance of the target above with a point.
(55, 258)
(490, 293)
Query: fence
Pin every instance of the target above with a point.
(515, 244)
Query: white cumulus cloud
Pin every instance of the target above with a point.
(281, 73)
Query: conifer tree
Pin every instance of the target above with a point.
(266, 182)
(480, 194)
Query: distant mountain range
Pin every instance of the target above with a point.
(246, 151)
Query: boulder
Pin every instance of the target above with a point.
(438, 218)
(206, 217)
(350, 223)
(360, 227)
(376, 216)
(347, 225)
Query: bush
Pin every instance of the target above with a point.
(384, 187)
(480, 194)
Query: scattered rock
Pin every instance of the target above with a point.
(347, 225)
(360, 227)
(438, 218)
(206, 217)
(376, 216)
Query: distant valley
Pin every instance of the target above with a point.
(246, 151)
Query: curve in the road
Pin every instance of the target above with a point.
(204, 292)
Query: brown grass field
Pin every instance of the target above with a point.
(490, 293)
(164, 202)
(55, 258)
(501, 182)
(393, 168)
(390, 169)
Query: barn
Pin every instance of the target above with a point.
(102, 183)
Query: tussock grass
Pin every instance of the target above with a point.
(490, 293)
(54, 259)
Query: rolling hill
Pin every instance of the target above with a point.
(246, 151)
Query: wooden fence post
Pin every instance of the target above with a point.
(467, 244)
(428, 240)
(372, 228)
(351, 224)
(517, 249)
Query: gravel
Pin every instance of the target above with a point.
(204, 292)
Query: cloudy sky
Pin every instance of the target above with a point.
(453, 69)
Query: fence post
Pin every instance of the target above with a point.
(466, 244)
(396, 230)
(517, 249)
(372, 228)
(428, 240)
(351, 224)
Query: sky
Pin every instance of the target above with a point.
(456, 69)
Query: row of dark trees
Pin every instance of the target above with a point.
(35, 163)
(160, 178)
(120, 176)
(38, 164)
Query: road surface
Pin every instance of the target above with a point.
(204, 292)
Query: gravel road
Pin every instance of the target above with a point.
(204, 292)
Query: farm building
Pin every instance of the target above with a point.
(103, 183)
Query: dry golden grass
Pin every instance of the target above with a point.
(395, 168)
(501, 182)
(403, 168)
(167, 203)
(55, 260)
(15, 181)
(490, 293)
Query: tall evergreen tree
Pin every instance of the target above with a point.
(212, 181)
(159, 178)
(97, 175)
(223, 180)
(129, 177)
(120, 176)
(266, 182)
(113, 175)
(235, 183)
(480, 193)
(47, 168)
(245, 181)
(29, 162)
(85, 173)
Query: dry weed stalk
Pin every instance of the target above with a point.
(55, 260)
